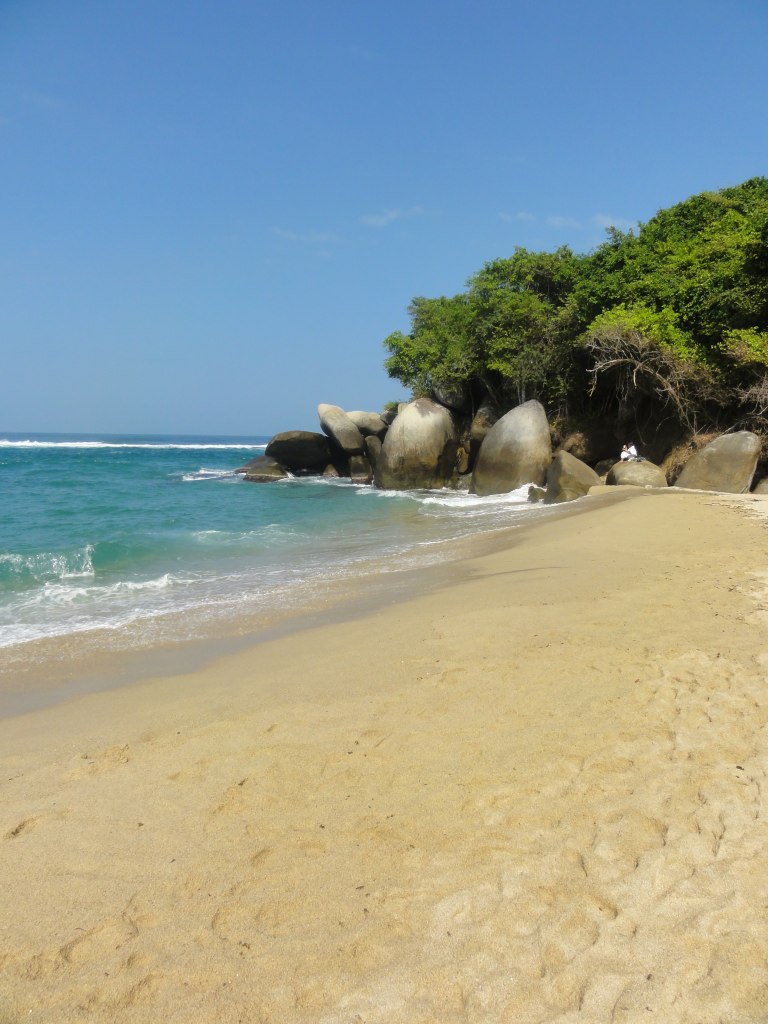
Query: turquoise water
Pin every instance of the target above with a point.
(102, 534)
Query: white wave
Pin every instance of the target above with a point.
(59, 609)
(60, 593)
(376, 492)
(28, 632)
(273, 530)
(46, 563)
(83, 565)
(465, 500)
(159, 446)
(268, 532)
(449, 498)
(208, 474)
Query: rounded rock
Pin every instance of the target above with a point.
(517, 450)
(568, 478)
(636, 474)
(263, 470)
(727, 464)
(300, 451)
(340, 428)
(419, 450)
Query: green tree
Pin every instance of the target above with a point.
(510, 335)
(438, 348)
(674, 313)
(525, 321)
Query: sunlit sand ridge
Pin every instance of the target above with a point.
(532, 795)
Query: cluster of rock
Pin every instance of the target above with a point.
(348, 447)
(428, 444)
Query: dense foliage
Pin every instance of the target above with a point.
(674, 315)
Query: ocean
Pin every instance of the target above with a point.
(120, 542)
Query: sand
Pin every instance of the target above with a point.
(533, 793)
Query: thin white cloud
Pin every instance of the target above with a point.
(511, 218)
(563, 222)
(307, 237)
(43, 100)
(603, 220)
(387, 217)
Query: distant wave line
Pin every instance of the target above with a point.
(243, 446)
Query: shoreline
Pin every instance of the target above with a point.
(531, 791)
(51, 671)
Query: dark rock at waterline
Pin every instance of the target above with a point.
(462, 461)
(726, 464)
(340, 428)
(636, 474)
(419, 450)
(761, 487)
(568, 478)
(373, 449)
(360, 470)
(300, 451)
(263, 470)
(517, 450)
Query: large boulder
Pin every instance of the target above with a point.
(340, 428)
(568, 478)
(370, 424)
(300, 451)
(517, 450)
(263, 470)
(636, 474)
(726, 464)
(419, 450)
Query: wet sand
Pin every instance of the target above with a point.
(533, 792)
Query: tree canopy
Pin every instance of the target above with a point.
(674, 314)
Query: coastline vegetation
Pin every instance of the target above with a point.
(665, 323)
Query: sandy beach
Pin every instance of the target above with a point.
(531, 793)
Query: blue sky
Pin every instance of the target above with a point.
(212, 213)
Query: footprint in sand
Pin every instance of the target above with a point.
(100, 761)
(100, 941)
(30, 824)
(240, 922)
(24, 826)
(234, 800)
